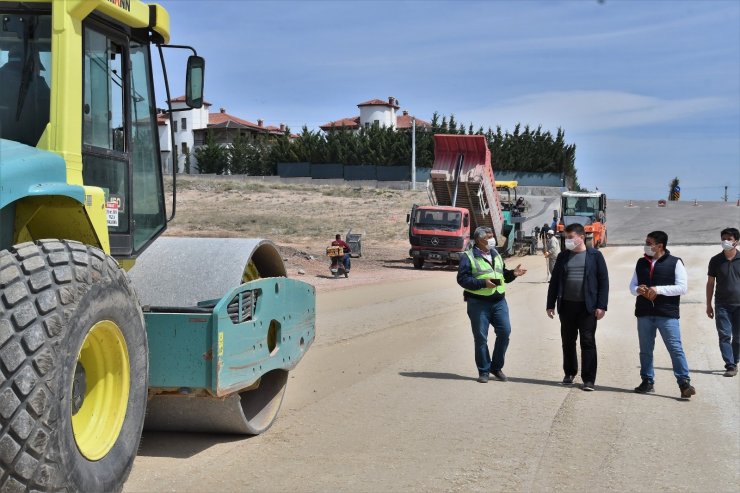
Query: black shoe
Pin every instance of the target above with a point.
(731, 371)
(483, 378)
(645, 387)
(687, 390)
(588, 386)
(499, 375)
(568, 379)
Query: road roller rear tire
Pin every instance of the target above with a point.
(73, 369)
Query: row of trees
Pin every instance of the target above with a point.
(523, 149)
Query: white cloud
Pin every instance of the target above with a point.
(588, 111)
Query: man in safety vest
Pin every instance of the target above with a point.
(483, 276)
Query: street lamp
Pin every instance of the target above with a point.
(413, 153)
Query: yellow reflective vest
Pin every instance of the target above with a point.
(481, 269)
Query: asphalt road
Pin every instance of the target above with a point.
(628, 222)
(386, 400)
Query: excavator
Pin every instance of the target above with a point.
(107, 329)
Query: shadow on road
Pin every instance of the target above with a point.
(531, 381)
(691, 370)
(434, 375)
(181, 445)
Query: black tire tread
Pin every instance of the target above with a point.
(39, 283)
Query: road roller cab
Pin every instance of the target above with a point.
(85, 352)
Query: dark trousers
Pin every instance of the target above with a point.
(574, 319)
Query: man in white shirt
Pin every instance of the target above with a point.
(658, 282)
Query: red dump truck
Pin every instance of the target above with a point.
(463, 197)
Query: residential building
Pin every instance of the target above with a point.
(191, 127)
(185, 122)
(378, 112)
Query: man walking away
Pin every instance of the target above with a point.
(483, 276)
(658, 282)
(580, 287)
(724, 274)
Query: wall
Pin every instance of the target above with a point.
(351, 173)
(530, 179)
(165, 147)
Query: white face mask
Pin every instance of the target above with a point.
(649, 251)
(492, 244)
(570, 244)
(727, 245)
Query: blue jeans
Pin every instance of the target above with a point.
(670, 332)
(727, 318)
(346, 261)
(483, 313)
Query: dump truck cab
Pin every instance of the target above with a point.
(438, 234)
(588, 209)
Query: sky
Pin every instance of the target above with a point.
(646, 90)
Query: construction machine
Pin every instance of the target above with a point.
(463, 197)
(588, 209)
(205, 335)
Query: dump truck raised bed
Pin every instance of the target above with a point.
(463, 197)
(205, 335)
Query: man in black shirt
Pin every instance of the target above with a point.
(579, 288)
(724, 275)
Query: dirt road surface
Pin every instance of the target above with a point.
(386, 400)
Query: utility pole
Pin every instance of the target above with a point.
(413, 153)
(725, 197)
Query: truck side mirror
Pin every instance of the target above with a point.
(408, 218)
(465, 221)
(194, 81)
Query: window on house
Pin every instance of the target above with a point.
(174, 125)
(367, 125)
(184, 148)
(184, 124)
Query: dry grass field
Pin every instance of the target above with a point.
(302, 220)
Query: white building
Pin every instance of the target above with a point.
(377, 112)
(185, 122)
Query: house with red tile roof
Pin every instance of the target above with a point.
(191, 127)
(377, 112)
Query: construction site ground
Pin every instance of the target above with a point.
(386, 398)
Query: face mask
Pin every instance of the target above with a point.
(491, 244)
(649, 251)
(570, 244)
(727, 245)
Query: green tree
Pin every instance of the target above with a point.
(212, 157)
(239, 155)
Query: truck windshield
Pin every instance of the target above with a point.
(438, 219)
(25, 75)
(580, 206)
(583, 210)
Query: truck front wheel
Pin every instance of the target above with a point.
(74, 363)
(418, 262)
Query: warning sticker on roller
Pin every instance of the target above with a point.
(111, 211)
